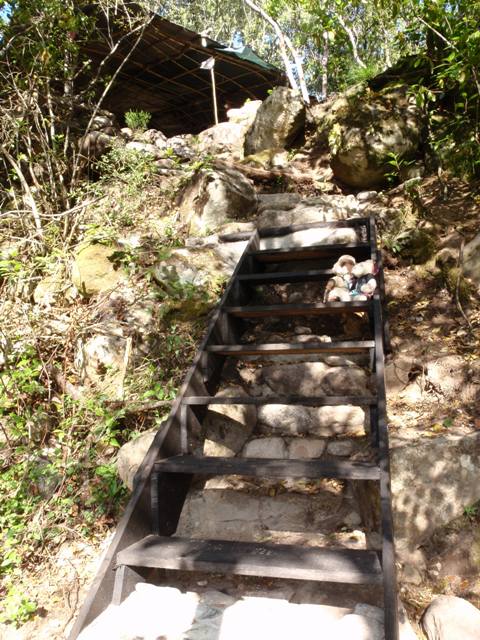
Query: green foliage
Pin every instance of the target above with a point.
(131, 167)
(56, 477)
(396, 163)
(41, 161)
(357, 73)
(17, 607)
(137, 120)
(471, 511)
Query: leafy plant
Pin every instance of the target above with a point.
(129, 166)
(17, 607)
(137, 120)
(470, 511)
(398, 164)
(357, 73)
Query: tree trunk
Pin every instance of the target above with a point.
(299, 67)
(284, 42)
(325, 65)
(353, 41)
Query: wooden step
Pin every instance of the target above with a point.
(252, 559)
(305, 401)
(296, 348)
(359, 250)
(319, 308)
(280, 277)
(269, 467)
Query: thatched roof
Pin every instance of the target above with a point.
(163, 76)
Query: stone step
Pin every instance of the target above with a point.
(332, 251)
(250, 516)
(311, 237)
(316, 378)
(322, 422)
(206, 614)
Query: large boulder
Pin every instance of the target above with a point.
(365, 130)
(131, 455)
(50, 288)
(103, 355)
(279, 121)
(432, 483)
(214, 196)
(451, 618)
(244, 115)
(471, 260)
(94, 270)
(228, 138)
(100, 136)
(225, 138)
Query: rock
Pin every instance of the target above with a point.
(411, 174)
(279, 120)
(447, 373)
(363, 128)
(265, 448)
(471, 260)
(358, 627)
(49, 289)
(94, 144)
(225, 138)
(340, 448)
(131, 455)
(144, 147)
(406, 631)
(314, 378)
(228, 427)
(229, 254)
(366, 196)
(451, 618)
(94, 271)
(325, 208)
(155, 137)
(268, 159)
(296, 297)
(411, 575)
(319, 421)
(281, 201)
(244, 115)
(210, 614)
(126, 133)
(306, 448)
(352, 520)
(302, 331)
(212, 197)
(415, 245)
(100, 361)
(200, 266)
(230, 514)
(432, 482)
(46, 478)
(182, 145)
(399, 370)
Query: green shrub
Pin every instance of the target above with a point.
(137, 120)
(129, 166)
(356, 74)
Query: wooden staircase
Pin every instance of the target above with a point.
(146, 538)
